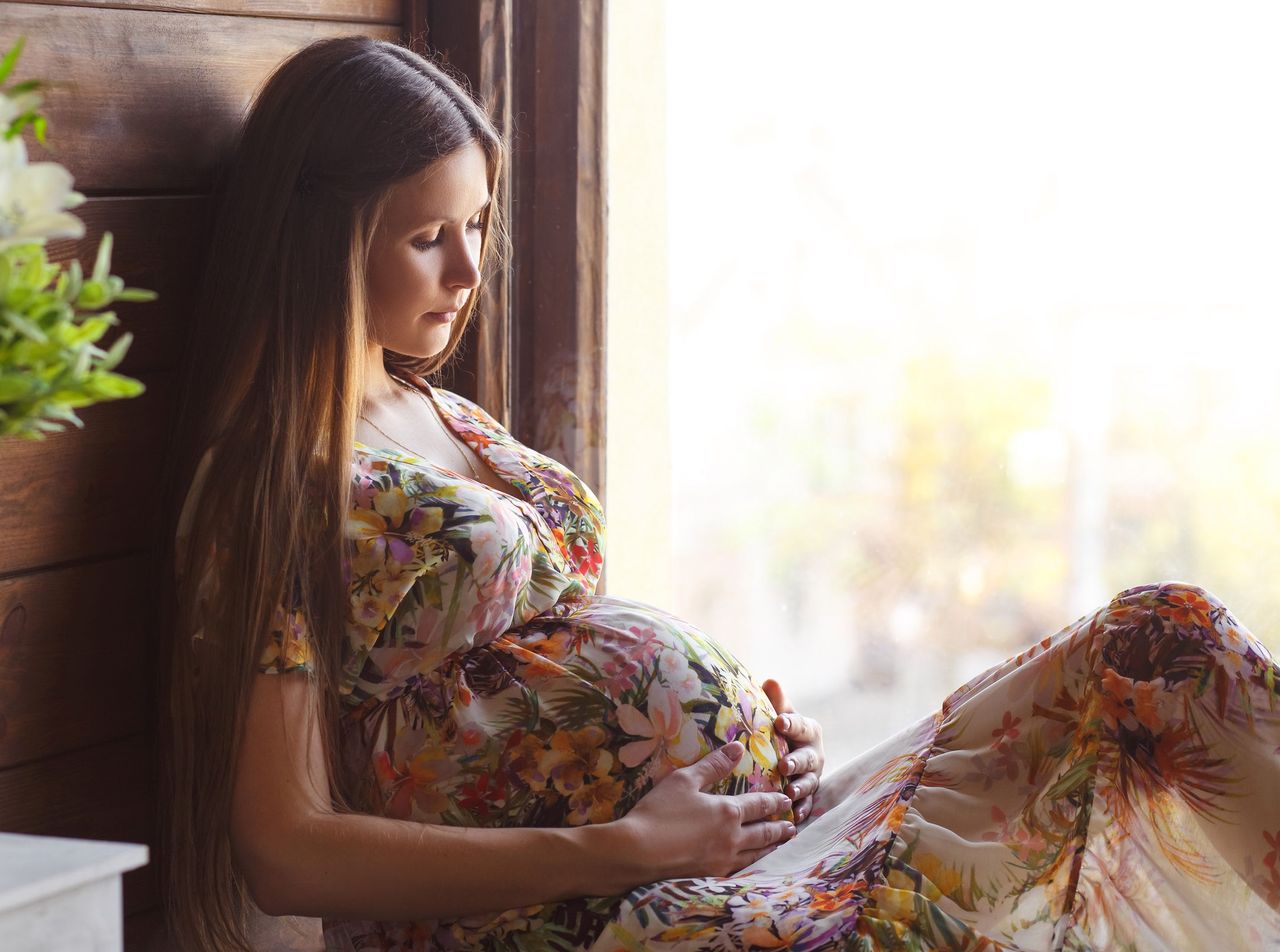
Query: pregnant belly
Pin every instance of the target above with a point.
(570, 720)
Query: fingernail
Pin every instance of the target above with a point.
(791, 764)
(786, 723)
(791, 830)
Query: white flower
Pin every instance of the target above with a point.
(33, 198)
(673, 664)
(491, 541)
(678, 675)
(688, 686)
(747, 907)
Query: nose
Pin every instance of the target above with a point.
(463, 266)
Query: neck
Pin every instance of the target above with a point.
(380, 388)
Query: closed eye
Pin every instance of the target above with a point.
(424, 244)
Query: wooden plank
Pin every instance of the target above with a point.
(144, 931)
(74, 667)
(104, 792)
(86, 493)
(152, 100)
(475, 38)
(157, 242)
(353, 11)
(559, 235)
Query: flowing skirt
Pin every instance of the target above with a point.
(1116, 786)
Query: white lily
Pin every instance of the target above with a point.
(34, 198)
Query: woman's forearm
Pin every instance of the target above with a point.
(351, 866)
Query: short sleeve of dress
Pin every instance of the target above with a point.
(286, 646)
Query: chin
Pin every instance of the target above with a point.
(425, 346)
(438, 342)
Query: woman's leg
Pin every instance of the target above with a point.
(1110, 787)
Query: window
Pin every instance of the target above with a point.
(972, 324)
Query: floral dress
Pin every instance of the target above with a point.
(1112, 787)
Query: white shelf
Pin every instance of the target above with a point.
(58, 893)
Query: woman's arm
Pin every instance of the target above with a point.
(300, 858)
(366, 867)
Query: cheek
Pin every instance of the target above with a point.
(400, 286)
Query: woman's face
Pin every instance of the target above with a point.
(425, 253)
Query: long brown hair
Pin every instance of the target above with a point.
(272, 378)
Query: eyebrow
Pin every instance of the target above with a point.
(436, 221)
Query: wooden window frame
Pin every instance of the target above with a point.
(536, 359)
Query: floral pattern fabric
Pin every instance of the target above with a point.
(1112, 787)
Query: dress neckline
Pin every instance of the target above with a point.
(446, 414)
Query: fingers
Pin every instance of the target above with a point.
(805, 785)
(803, 808)
(716, 765)
(773, 690)
(800, 761)
(758, 836)
(798, 727)
(760, 806)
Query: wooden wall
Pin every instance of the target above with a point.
(153, 93)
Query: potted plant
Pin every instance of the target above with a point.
(50, 315)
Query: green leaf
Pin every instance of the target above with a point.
(28, 118)
(88, 332)
(26, 86)
(117, 352)
(75, 281)
(113, 386)
(19, 252)
(10, 58)
(102, 265)
(30, 269)
(71, 398)
(60, 411)
(24, 325)
(49, 330)
(81, 364)
(93, 296)
(15, 386)
(136, 294)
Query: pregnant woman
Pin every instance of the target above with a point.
(444, 738)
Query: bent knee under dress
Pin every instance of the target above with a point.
(1112, 787)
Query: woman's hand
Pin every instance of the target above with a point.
(675, 830)
(806, 761)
